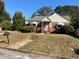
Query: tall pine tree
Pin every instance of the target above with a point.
(18, 21)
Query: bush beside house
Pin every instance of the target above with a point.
(68, 29)
(27, 29)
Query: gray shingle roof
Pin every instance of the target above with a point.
(37, 18)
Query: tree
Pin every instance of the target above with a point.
(70, 10)
(18, 21)
(34, 14)
(43, 11)
(6, 25)
(3, 14)
(6, 16)
(58, 9)
(2, 7)
(75, 22)
(67, 10)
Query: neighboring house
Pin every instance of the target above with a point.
(48, 24)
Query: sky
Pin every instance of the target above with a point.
(28, 7)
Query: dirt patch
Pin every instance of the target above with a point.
(21, 43)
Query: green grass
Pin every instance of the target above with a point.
(54, 44)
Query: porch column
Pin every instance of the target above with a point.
(42, 27)
(31, 25)
(36, 28)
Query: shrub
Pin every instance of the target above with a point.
(59, 29)
(68, 29)
(27, 29)
(6, 25)
(76, 50)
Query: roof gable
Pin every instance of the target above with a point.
(57, 18)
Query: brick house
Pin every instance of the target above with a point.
(48, 23)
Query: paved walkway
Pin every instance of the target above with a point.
(21, 43)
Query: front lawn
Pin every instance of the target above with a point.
(13, 38)
(54, 44)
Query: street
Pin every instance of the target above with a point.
(8, 54)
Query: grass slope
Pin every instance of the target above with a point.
(13, 37)
(54, 44)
